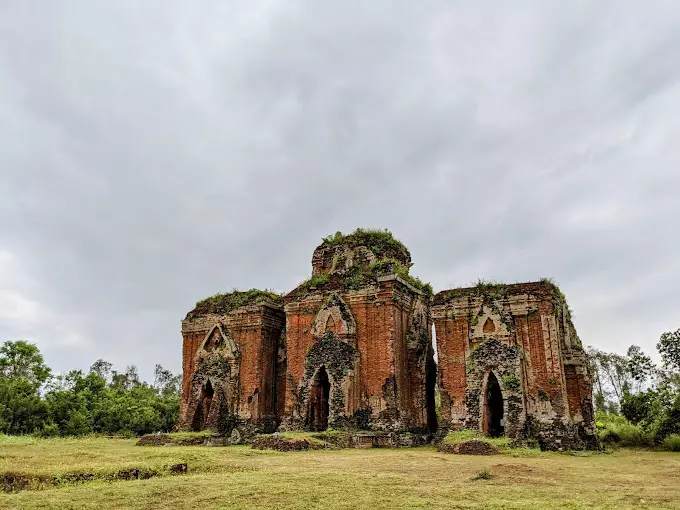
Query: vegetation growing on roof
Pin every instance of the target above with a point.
(559, 299)
(314, 281)
(381, 242)
(357, 277)
(221, 304)
(392, 258)
(498, 290)
(480, 288)
(390, 266)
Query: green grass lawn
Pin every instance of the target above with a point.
(240, 477)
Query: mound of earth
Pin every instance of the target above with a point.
(168, 440)
(471, 447)
(284, 445)
(15, 482)
(337, 440)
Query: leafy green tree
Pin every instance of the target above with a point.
(165, 382)
(71, 402)
(669, 348)
(75, 403)
(636, 406)
(126, 380)
(22, 359)
(135, 411)
(641, 366)
(102, 368)
(22, 371)
(613, 377)
(22, 411)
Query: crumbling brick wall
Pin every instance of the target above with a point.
(385, 324)
(250, 337)
(523, 334)
(352, 347)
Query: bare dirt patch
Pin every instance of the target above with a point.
(513, 469)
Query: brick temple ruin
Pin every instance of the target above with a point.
(352, 348)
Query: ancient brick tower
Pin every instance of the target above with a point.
(352, 348)
(229, 361)
(510, 363)
(358, 340)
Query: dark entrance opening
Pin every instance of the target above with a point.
(493, 417)
(318, 408)
(203, 407)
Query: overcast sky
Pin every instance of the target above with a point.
(153, 153)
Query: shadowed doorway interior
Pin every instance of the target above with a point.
(494, 423)
(318, 408)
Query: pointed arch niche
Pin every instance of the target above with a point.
(335, 317)
(214, 384)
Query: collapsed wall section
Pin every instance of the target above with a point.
(520, 336)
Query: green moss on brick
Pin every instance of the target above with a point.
(222, 304)
(381, 242)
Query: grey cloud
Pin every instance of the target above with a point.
(155, 153)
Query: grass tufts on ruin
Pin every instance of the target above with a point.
(380, 241)
(223, 303)
(357, 277)
(467, 441)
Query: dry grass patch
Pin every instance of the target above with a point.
(239, 477)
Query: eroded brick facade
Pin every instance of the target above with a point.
(374, 343)
(352, 348)
(229, 365)
(521, 336)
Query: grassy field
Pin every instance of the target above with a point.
(240, 477)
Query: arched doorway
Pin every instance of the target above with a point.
(203, 407)
(318, 408)
(493, 409)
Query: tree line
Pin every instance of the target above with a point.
(103, 400)
(638, 401)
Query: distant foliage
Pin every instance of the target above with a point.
(22, 411)
(638, 402)
(619, 431)
(76, 403)
(672, 443)
(22, 360)
(669, 348)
